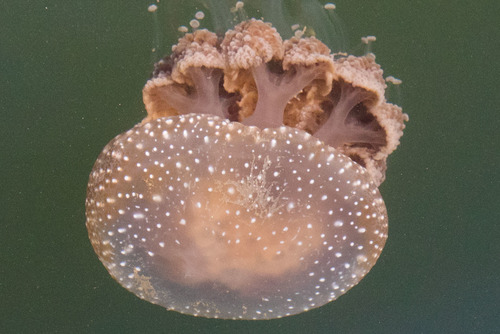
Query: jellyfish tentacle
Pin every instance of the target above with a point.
(206, 96)
(363, 136)
(202, 97)
(275, 90)
(176, 97)
(334, 131)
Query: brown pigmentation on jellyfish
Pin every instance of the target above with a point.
(250, 190)
(253, 76)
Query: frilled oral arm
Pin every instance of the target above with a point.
(275, 90)
(337, 132)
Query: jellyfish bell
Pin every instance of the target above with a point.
(217, 219)
(250, 189)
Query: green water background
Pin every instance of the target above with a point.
(71, 75)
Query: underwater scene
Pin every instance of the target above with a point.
(250, 166)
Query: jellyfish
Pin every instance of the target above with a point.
(250, 190)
